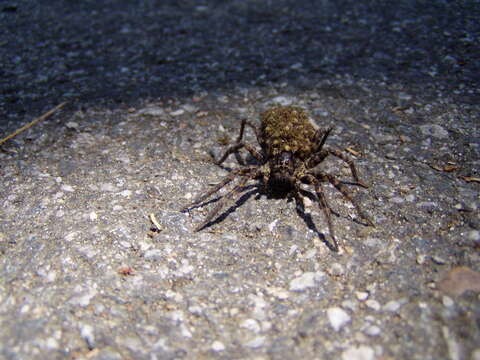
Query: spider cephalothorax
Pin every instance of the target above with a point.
(291, 149)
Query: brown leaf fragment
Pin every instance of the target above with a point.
(436, 167)
(450, 168)
(352, 151)
(470, 178)
(459, 280)
(446, 168)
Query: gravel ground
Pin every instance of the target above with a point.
(153, 90)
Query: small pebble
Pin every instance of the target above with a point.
(218, 346)
(153, 255)
(373, 330)
(177, 112)
(338, 318)
(361, 352)
(301, 283)
(87, 334)
(447, 301)
(474, 235)
(67, 188)
(361, 295)
(251, 324)
(392, 306)
(373, 304)
(434, 130)
(255, 342)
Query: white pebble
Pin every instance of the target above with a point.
(255, 342)
(251, 324)
(361, 352)
(338, 318)
(373, 304)
(447, 301)
(177, 112)
(361, 295)
(373, 330)
(392, 306)
(218, 346)
(67, 188)
(473, 235)
(301, 283)
(86, 332)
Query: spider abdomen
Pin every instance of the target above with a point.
(287, 128)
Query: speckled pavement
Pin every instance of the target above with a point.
(86, 274)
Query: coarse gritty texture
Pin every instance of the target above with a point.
(287, 128)
(154, 86)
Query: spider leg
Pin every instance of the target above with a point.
(321, 136)
(337, 153)
(341, 187)
(323, 205)
(229, 178)
(239, 144)
(221, 203)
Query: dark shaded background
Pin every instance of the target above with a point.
(123, 51)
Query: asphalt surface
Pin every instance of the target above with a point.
(97, 261)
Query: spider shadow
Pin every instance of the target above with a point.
(224, 214)
(258, 190)
(307, 218)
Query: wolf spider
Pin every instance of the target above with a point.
(290, 150)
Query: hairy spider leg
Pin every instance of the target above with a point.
(337, 153)
(239, 144)
(229, 178)
(342, 189)
(221, 203)
(324, 207)
(321, 136)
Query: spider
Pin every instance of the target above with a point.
(291, 149)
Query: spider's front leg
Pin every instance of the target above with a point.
(240, 144)
(344, 191)
(254, 172)
(228, 179)
(323, 204)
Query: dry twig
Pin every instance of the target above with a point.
(33, 122)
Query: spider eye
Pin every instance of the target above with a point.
(285, 158)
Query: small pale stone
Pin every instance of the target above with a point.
(177, 112)
(107, 187)
(278, 292)
(392, 306)
(255, 342)
(474, 235)
(361, 352)
(301, 283)
(87, 333)
(126, 193)
(434, 130)
(72, 125)
(153, 254)
(218, 346)
(93, 216)
(250, 324)
(338, 318)
(447, 301)
(373, 304)
(361, 295)
(373, 330)
(67, 188)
